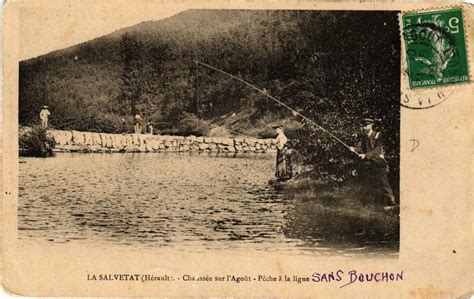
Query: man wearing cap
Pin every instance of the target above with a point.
(44, 114)
(370, 149)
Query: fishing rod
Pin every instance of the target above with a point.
(264, 92)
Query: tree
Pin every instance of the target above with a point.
(133, 87)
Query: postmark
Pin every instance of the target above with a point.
(424, 98)
(435, 49)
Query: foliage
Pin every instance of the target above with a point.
(191, 125)
(36, 142)
(335, 67)
(134, 85)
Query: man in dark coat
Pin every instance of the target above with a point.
(370, 149)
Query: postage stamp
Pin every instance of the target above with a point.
(435, 48)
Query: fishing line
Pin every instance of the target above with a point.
(264, 92)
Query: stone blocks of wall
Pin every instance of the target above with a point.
(74, 141)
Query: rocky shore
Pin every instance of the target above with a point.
(74, 141)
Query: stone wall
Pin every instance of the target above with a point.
(74, 141)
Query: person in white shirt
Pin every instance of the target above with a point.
(138, 123)
(150, 128)
(44, 114)
(283, 161)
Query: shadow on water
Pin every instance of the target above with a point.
(339, 218)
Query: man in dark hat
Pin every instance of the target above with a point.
(44, 114)
(370, 150)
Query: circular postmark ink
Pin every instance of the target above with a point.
(424, 99)
(430, 49)
(433, 57)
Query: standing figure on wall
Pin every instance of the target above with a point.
(44, 115)
(138, 123)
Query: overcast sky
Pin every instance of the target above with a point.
(46, 29)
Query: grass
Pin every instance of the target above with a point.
(36, 142)
(349, 214)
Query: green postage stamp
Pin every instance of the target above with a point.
(435, 48)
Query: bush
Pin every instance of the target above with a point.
(191, 125)
(36, 143)
(330, 160)
(110, 123)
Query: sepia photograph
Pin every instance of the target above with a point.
(261, 130)
(235, 149)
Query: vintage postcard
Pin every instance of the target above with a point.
(238, 149)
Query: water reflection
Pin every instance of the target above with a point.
(323, 225)
(162, 200)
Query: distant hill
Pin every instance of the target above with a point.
(328, 63)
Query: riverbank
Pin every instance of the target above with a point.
(75, 141)
(349, 214)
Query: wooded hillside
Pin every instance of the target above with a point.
(334, 67)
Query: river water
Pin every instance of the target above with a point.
(183, 201)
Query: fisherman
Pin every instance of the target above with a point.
(44, 114)
(138, 123)
(283, 161)
(370, 149)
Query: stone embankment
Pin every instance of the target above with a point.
(74, 141)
